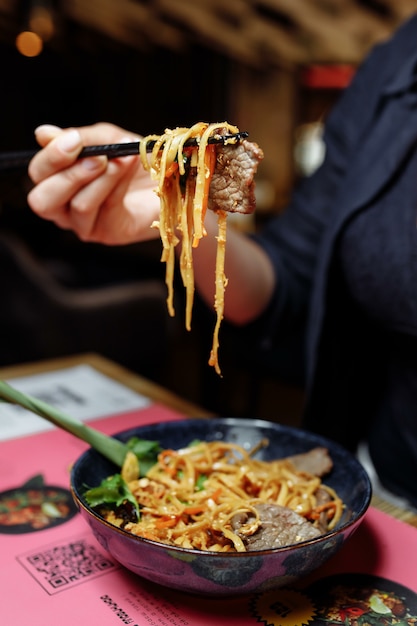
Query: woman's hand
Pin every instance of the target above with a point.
(101, 200)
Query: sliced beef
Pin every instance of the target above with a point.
(280, 526)
(316, 462)
(232, 187)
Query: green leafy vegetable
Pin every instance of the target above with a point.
(200, 482)
(194, 442)
(146, 451)
(112, 491)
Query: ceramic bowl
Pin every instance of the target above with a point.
(234, 573)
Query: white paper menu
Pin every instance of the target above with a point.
(80, 391)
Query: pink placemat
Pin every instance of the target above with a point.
(60, 574)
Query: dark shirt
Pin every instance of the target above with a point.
(345, 253)
(378, 262)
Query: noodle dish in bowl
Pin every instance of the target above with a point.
(222, 506)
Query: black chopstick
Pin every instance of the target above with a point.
(13, 160)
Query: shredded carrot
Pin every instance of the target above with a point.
(216, 495)
(171, 169)
(330, 507)
(194, 510)
(166, 522)
(165, 457)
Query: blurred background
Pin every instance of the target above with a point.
(272, 67)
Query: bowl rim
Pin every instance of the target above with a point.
(236, 421)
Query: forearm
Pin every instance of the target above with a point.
(251, 278)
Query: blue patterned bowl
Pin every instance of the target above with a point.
(226, 573)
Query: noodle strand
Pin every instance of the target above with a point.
(184, 175)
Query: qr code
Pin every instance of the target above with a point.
(62, 566)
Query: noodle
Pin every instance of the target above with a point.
(183, 202)
(221, 283)
(190, 496)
